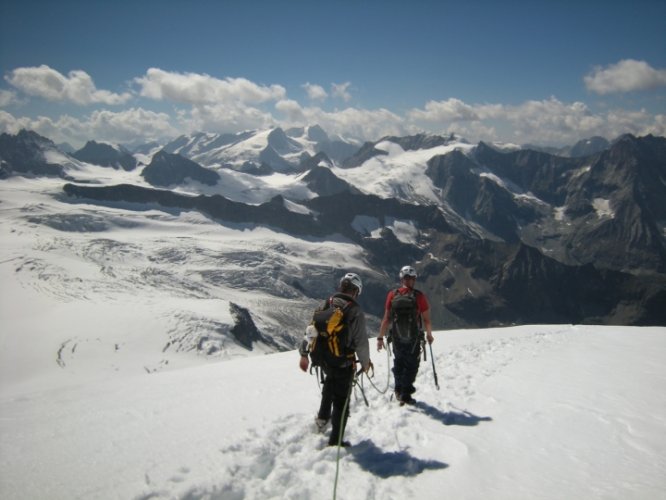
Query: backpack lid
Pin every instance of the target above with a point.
(404, 290)
(348, 300)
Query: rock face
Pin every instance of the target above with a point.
(24, 154)
(323, 182)
(620, 207)
(478, 198)
(244, 330)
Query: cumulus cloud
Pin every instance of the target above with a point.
(224, 118)
(77, 87)
(130, 124)
(453, 110)
(368, 124)
(341, 90)
(226, 105)
(12, 125)
(198, 89)
(116, 127)
(215, 105)
(295, 114)
(552, 121)
(627, 75)
(315, 92)
(547, 121)
(350, 122)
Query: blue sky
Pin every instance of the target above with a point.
(522, 71)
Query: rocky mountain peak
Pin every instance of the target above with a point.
(167, 169)
(420, 141)
(106, 155)
(24, 154)
(588, 147)
(30, 139)
(325, 183)
(281, 143)
(317, 134)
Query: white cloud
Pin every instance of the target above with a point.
(235, 104)
(364, 123)
(341, 90)
(10, 124)
(451, 110)
(552, 121)
(197, 89)
(296, 115)
(77, 87)
(548, 121)
(315, 92)
(116, 127)
(626, 76)
(130, 124)
(7, 98)
(635, 122)
(225, 118)
(350, 122)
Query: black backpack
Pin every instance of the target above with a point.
(329, 348)
(405, 324)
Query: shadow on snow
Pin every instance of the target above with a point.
(395, 463)
(463, 417)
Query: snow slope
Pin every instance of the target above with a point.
(399, 174)
(117, 281)
(552, 412)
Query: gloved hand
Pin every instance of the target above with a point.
(380, 343)
(303, 363)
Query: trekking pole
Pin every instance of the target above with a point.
(434, 372)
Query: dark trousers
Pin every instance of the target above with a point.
(407, 357)
(334, 394)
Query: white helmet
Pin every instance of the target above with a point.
(354, 279)
(407, 271)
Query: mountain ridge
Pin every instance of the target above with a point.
(498, 236)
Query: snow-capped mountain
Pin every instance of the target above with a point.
(261, 151)
(498, 235)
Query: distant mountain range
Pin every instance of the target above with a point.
(498, 235)
(262, 152)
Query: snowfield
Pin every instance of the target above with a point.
(553, 412)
